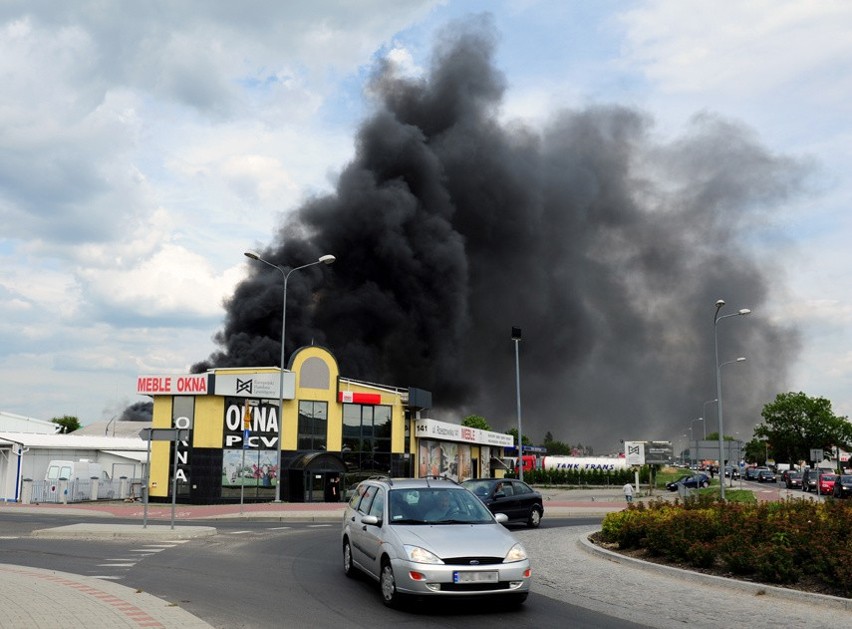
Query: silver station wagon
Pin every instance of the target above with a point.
(429, 538)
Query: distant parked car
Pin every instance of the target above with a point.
(843, 486)
(729, 469)
(766, 476)
(690, 481)
(519, 501)
(825, 484)
(793, 480)
(810, 479)
(752, 472)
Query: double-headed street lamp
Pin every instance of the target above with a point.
(716, 318)
(326, 259)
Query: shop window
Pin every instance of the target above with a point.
(313, 425)
(367, 437)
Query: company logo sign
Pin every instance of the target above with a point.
(255, 385)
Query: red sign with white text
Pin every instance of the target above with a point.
(351, 397)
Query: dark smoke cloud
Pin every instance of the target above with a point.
(138, 412)
(608, 247)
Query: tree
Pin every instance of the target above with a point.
(514, 433)
(794, 424)
(476, 421)
(755, 451)
(69, 423)
(556, 447)
(714, 436)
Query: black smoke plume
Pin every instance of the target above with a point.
(138, 412)
(606, 245)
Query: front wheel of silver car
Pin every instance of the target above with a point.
(348, 569)
(390, 596)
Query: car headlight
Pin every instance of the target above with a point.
(516, 553)
(421, 555)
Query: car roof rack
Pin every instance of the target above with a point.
(429, 477)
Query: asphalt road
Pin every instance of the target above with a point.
(264, 574)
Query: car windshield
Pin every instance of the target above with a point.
(479, 487)
(846, 478)
(828, 477)
(429, 505)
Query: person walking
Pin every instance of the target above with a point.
(628, 492)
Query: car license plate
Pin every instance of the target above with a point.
(489, 576)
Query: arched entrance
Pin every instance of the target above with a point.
(314, 476)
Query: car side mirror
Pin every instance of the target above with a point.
(501, 518)
(371, 519)
(499, 494)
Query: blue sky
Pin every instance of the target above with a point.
(143, 150)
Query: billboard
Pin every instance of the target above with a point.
(648, 452)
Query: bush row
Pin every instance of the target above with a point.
(774, 542)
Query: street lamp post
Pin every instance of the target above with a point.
(700, 419)
(516, 337)
(716, 318)
(741, 359)
(326, 259)
(704, 412)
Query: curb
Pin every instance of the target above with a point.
(757, 589)
(135, 531)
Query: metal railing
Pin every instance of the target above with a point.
(80, 490)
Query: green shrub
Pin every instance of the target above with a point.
(777, 542)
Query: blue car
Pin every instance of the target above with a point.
(690, 481)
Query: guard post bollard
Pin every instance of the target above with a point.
(93, 494)
(122, 487)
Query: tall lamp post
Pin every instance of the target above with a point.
(716, 318)
(700, 419)
(326, 259)
(741, 359)
(516, 337)
(704, 412)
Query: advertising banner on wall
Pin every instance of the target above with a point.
(437, 458)
(430, 428)
(250, 441)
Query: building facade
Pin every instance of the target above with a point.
(333, 431)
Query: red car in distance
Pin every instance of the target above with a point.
(825, 484)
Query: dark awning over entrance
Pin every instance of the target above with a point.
(314, 462)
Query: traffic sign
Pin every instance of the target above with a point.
(163, 434)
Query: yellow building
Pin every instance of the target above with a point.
(335, 431)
